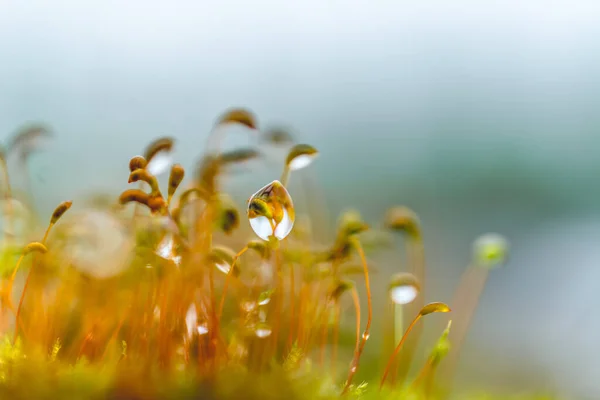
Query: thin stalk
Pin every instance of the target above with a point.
(366, 333)
(285, 175)
(336, 336)
(416, 260)
(356, 301)
(397, 350)
(27, 280)
(47, 233)
(292, 306)
(398, 332)
(279, 295)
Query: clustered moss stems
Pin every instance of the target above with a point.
(184, 301)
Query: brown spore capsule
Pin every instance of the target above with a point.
(60, 210)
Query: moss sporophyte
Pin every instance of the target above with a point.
(145, 298)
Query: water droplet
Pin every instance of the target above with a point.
(301, 162)
(404, 288)
(160, 163)
(366, 336)
(202, 329)
(300, 156)
(264, 301)
(403, 294)
(271, 211)
(223, 267)
(165, 247)
(263, 331)
(191, 319)
(353, 369)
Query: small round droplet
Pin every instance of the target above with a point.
(263, 331)
(202, 329)
(271, 212)
(160, 163)
(300, 156)
(300, 162)
(264, 301)
(403, 294)
(404, 288)
(223, 267)
(366, 336)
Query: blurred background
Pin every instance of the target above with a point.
(481, 116)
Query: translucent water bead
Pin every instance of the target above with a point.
(271, 211)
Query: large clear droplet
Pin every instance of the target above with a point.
(160, 163)
(271, 211)
(403, 294)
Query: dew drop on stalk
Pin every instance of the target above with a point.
(159, 154)
(300, 156)
(264, 301)
(271, 212)
(403, 288)
(160, 163)
(300, 162)
(202, 329)
(403, 294)
(223, 267)
(262, 331)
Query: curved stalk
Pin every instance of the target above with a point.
(397, 350)
(415, 251)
